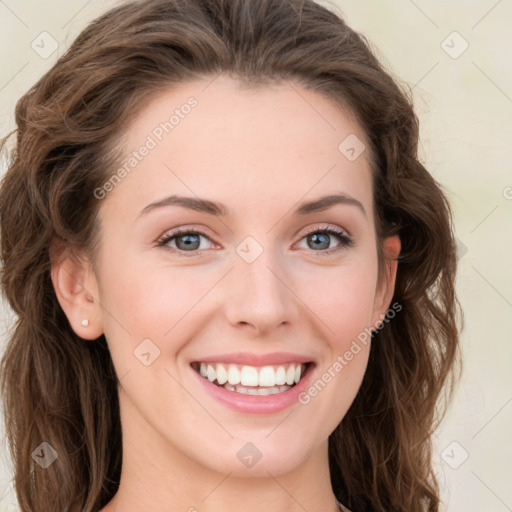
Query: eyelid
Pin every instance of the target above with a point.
(324, 227)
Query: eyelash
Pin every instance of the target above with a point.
(341, 235)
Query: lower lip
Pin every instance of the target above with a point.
(257, 404)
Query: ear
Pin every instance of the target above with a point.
(76, 288)
(386, 282)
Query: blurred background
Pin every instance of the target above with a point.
(453, 55)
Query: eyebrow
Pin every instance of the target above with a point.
(221, 210)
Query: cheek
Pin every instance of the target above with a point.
(341, 297)
(343, 300)
(149, 302)
(345, 311)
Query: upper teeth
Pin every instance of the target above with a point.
(267, 376)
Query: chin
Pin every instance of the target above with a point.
(258, 456)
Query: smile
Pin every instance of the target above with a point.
(252, 380)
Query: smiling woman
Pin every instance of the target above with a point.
(250, 299)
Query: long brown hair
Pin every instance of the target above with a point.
(62, 390)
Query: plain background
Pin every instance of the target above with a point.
(456, 57)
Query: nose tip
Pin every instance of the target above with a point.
(258, 297)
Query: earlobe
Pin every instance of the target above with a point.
(76, 289)
(387, 279)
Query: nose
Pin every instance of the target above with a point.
(259, 296)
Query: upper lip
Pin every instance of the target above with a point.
(256, 359)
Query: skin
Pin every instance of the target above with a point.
(261, 152)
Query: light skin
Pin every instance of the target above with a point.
(262, 153)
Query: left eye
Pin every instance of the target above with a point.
(320, 239)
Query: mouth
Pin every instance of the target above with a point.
(253, 380)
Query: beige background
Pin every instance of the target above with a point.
(465, 107)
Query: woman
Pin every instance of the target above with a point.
(233, 278)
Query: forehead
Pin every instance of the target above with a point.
(218, 139)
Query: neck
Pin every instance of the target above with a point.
(157, 477)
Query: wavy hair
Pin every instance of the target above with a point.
(62, 390)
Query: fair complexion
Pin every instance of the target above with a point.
(262, 153)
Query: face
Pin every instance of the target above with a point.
(256, 287)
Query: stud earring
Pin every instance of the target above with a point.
(85, 322)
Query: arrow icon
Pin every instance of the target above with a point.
(351, 147)
(454, 45)
(44, 45)
(146, 352)
(249, 253)
(44, 455)
(454, 455)
(249, 455)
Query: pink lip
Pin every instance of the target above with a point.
(252, 404)
(256, 359)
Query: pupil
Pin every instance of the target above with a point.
(325, 242)
(187, 242)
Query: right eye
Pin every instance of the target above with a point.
(184, 240)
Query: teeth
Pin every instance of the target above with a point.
(297, 373)
(280, 376)
(211, 373)
(249, 376)
(256, 391)
(268, 376)
(235, 377)
(290, 375)
(222, 374)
